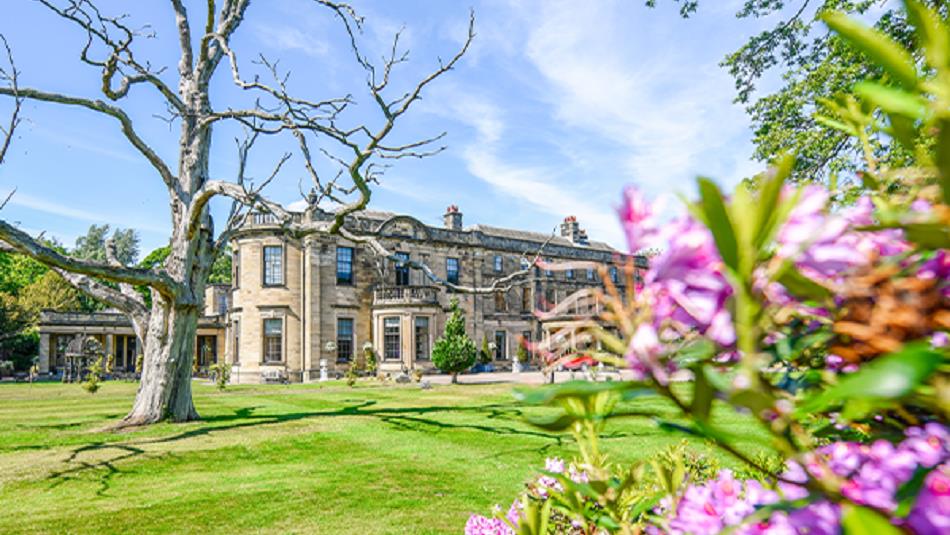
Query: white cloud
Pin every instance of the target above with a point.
(74, 140)
(299, 205)
(538, 186)
(50, 207)
(285, 37)
(661, 105)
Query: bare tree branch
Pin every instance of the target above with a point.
(99, 28)
(100, 291)
(127, 289)
(11, 77)
(361, 156)
(112, 111)
(23, 243)
(186, 62)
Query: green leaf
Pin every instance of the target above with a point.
(717, 219)
(893, 100)
(903, 130)
(857, 409)
(698, 350)
(679, 428)
(943, 157)
(928, 235)
(907, 493)
(556, 424)
(702, 395)
(880, 48)
(889, 377)
(644, 505)
(753, 400)
(801, 286)
(768, 218)
(934, 37)
(835, 124)
(578, 389)
(925, 235)
(857, 520)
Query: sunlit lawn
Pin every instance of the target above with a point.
(283, 459)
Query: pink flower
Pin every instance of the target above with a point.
(716, 504)
(873, 474)
(686, 286)
(480, 525)
(636, 216)
(931, 512)
(554, 464)
(824, 245)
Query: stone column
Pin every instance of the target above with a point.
(44, 352)
(407, 339)
(110, 342)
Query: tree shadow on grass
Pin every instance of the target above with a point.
(398, 417)
(405, 418)
(499, 420)
(106, 467)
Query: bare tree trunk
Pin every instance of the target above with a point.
(455, 378)
(165, 389)
(168, 330)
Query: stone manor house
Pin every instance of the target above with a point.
(295, 303)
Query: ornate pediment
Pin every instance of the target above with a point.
(403, 226)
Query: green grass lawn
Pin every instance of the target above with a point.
(285, 459)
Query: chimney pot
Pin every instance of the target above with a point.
(452, 218)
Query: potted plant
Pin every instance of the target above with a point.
(522, 357)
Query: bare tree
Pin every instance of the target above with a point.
(167, 328)
(10, 77)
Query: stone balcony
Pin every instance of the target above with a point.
(265, 220)
(405, 295)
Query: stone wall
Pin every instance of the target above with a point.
(310, 302)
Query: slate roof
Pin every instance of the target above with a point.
(470, 234)
(535, 236)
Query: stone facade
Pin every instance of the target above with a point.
(113, 330)
(296, 303)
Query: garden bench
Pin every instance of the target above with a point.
(273, 376)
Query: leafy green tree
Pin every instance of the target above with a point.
(814, 64)
(92, 246)
(50, 292)
(19, 342)
(220, 270)
(484, 354)
(454, 351)
(18, 271)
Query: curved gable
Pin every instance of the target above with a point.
(404, 226)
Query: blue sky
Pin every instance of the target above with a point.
(558, 106)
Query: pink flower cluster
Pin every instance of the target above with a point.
(686, 288)
(714, 505)
(541, 488)
(481, 525)
(824, 245)
(545, 484)
(872, 474)
(685, 285)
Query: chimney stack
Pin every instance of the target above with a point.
(452, 218)
(570, 228)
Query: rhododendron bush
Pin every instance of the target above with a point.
(822, 312)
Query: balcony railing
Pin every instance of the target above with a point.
(261, 219)
(406, 295)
